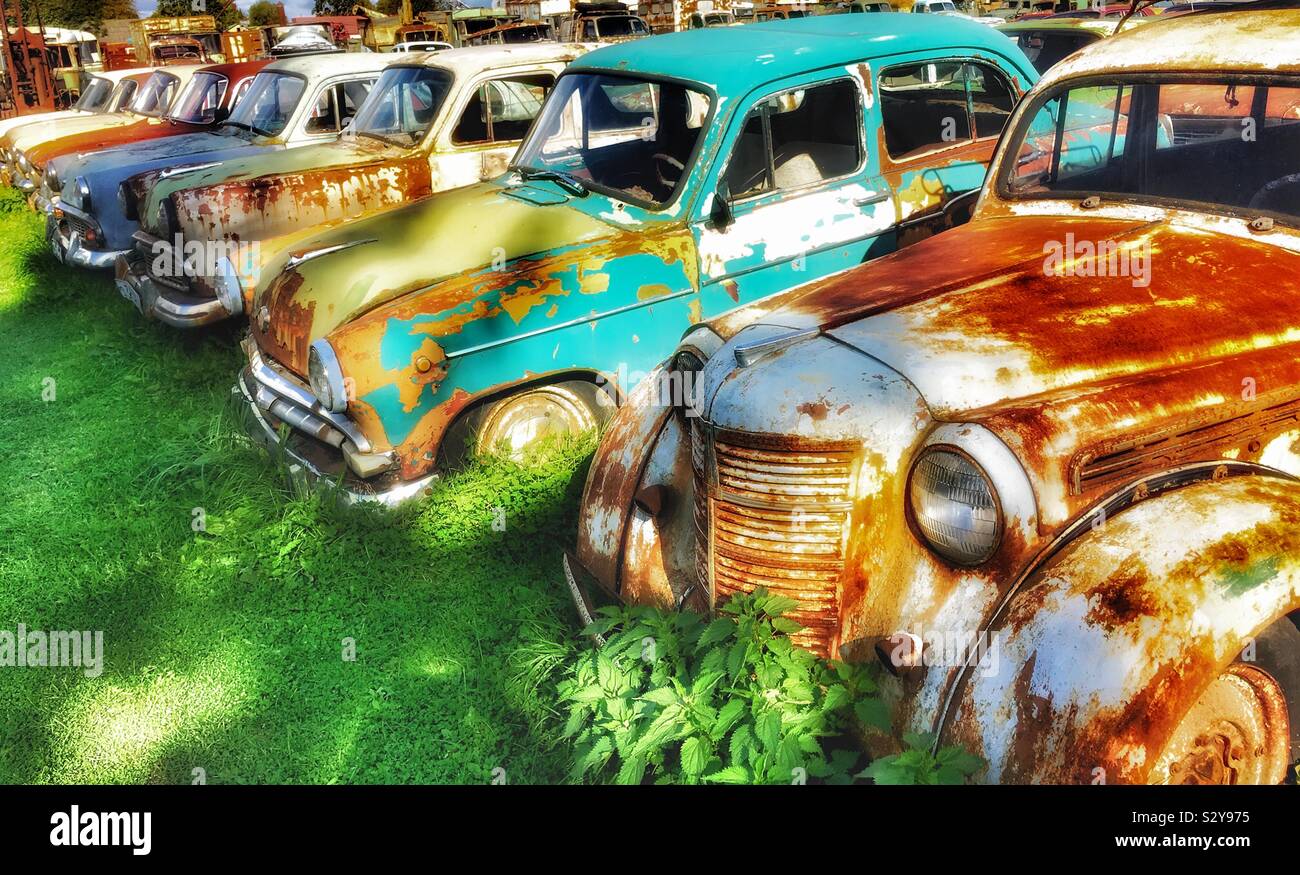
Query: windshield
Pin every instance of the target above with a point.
(199, 100)
(1213, 144)
(620, 25)
(156, 94)
(94, 97)
(269, 103)
(403, 104)
(628, 137)
(123, 95)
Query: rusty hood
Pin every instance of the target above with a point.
(476, 233)
(985, 315)
(97, 138)
(261, 195)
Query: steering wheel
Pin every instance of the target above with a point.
(672, 162)
(1258, 198)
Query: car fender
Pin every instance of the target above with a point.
(1100, 651)
(643, 462)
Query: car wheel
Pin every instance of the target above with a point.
(516, 424)
(1244, 727)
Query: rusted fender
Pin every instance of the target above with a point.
(1103, 650)
(630, 445)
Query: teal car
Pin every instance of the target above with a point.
(644, 199)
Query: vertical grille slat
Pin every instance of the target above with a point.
(773, 516)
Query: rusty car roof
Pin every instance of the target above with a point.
(1247, 41)
(741, 57)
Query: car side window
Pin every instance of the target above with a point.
(934, 104)
(324, 114)
(501, 110)
(796, 139)
(351, 95)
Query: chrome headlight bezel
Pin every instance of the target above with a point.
(325, 377)
(77, 194)
(984, 519)
(230, 291)
(51, 178)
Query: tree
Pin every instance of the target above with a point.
(338, 7)
(225, 12)
(264, 13)
(77, 14)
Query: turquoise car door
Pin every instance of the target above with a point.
(795, 193)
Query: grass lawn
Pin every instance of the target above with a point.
(224, 649)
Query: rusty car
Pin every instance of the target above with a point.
(434, 122)
(644, 199)
(290, 103)
(30, 146)
(104, 93)
(1068, 429)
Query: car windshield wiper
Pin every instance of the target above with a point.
(571, 184)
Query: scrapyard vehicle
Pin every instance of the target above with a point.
(1043, 466)
(292, 102)
(104, 93)
(434, 122)
(31, 146)
(514, 33)
(1048, 41)
(643, 199)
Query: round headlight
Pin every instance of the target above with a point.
(954, 506)
(682, 383)
(230, 293)
(166, 219)
(80, 194)
(126, 200)
(326, 377)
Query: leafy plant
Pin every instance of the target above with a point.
(916, 765)
(677, 699)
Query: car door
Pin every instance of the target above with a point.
(803, 192)
(941, 116)
(487, 125)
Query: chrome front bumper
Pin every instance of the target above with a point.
(169, 306)
(68, 245)
(322, 449)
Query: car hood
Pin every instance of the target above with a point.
(345, 271)
(261, 177)
(18, 121)
(128, 159)
(94, 139)
(978, 317)
(27, 137)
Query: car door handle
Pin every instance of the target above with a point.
(874, 198)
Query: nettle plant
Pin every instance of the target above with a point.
(675, 698)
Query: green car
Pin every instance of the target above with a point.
(644, 199)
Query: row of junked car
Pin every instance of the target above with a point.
(997, 380)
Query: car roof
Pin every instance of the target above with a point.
(333, 63)
(1241, 40)
(116, 76)
(1102, 26)
(741, 57)
(237, 69)
(473, 59)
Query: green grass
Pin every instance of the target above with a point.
(223, 650)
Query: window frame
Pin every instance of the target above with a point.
(916, 154)
(453, 120)
(863, 155)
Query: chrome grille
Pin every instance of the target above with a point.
(774, 516)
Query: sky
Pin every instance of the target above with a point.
(294, 8)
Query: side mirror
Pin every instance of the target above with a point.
(720, 215)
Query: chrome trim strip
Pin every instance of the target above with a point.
(748, 353)
(295, 260)
(292, 392)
